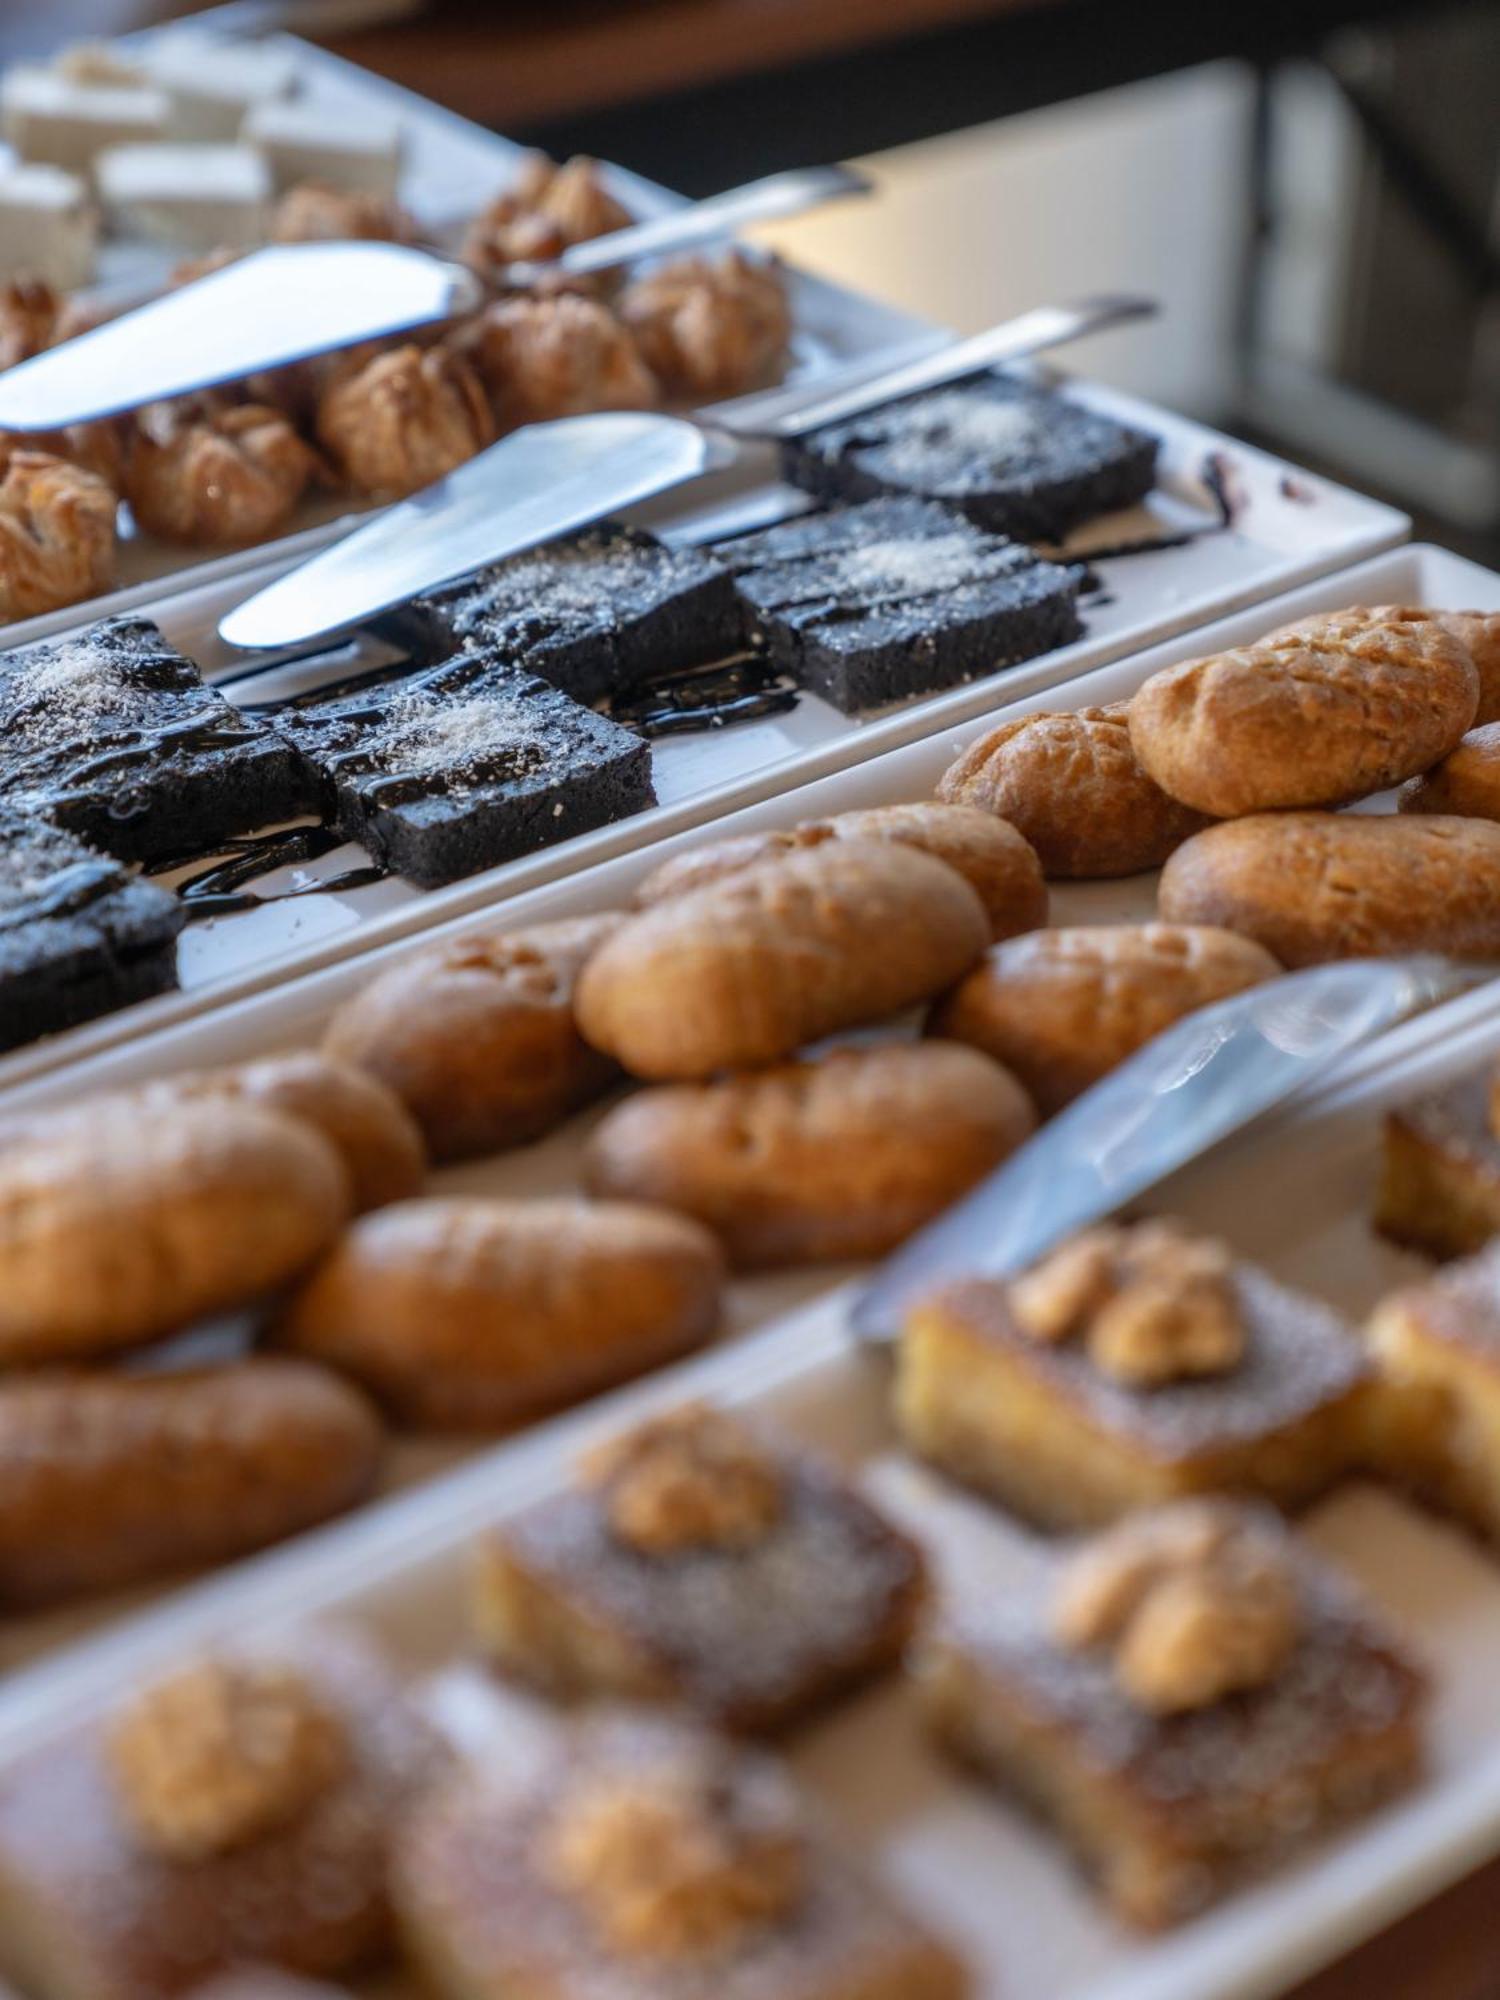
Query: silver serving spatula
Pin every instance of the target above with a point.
(1200, 1080)
(293, 300)
(547, 479)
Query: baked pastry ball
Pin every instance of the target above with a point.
(559, 356)
(110, 1480)
(710, 326)
(239, 1810)
(839, 1157)
(315, 213)
(209, 474)
(398, 420)
(468, 1314)
(1313, 886)
(1061, 1008)
(1072, 785)
(993, 858)
(640, 1856)
(1466, 782)
(1480, 632)
(57, 534)
(596, 1591)
(748, 969)
(1321, 712)
(476, 1035)
(123, 1227)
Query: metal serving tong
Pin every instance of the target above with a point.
(294, 300)
(548, 479)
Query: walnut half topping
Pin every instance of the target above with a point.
(221, 1754)
(1151, 1304)
(678, 1861)
(1193, 1602)
(689, 1480)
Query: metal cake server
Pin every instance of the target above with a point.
(547, 479)
(298, 299)
(1200, 1080)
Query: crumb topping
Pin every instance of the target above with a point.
(220, 1755)
(689, 1480)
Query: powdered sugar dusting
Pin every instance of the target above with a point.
(426, 734)
(909, 566)
(958, 422)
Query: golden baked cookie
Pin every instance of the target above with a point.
(467, 1314)
(988, 852)
(128, 1225)
(1467, 781)
(108, 1480)
(476, 1036)
(1313, 886)
(1061, 1008)
(1321, 712)
(838, 1158)
(748, 969)
(1480, 632)
(1073, 786)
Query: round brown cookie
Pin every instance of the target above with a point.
(1321, 712)
(1467, 782)
(1072, 784)
(1061, 1008)
(1480, 632)
(838, 1158)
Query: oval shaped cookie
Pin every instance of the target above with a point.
(1073, 786)
(748, 969)
(997, 863)
(128, 1225)
(838, 1158)
(476, 1035)
(467, 1314)
(108, 1480)
(1467, 782)
(1315, 886)
(1480, 632)
(1061, 1008)
(1324, 711)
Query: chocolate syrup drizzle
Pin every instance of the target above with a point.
(218, 890)
(738, 689)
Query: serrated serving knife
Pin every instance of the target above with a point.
(293, 300)
(1195, 1084)
(548, 479)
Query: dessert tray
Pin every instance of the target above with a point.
(1294, 1194)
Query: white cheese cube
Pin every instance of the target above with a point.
(98, 62)
(353, 150)
(48, 226)
(213, 84)
(200, 197)
(48, 117)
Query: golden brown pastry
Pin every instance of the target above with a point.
(710, 326)
(748, 969)
(313, 213)
(468, 1314)
(29, 310)
(544, 209)
(57, 534)
(476, 1035)
(1071, 784)
(210, 475)
(1321, 712)
(559, 356)
(1466, 782)
(110, 1480)
(128, 1225)
(1480, 632)
(399, 420)
(1314, 886)
(1061, 1008)
(992, 857)
(574, 197)
(841, 1157)
(264, 1982)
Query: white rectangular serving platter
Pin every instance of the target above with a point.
(1295, 1194)
(1289, 528)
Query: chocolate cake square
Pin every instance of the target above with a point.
(1017, 459)
(466, 765)
(79, 934)
(590, 614)
(115, 737)
(875, 604)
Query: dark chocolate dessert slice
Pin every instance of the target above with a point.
(115, 737)
(1018, 460)
(79, 934)
(873, 604)
(591, 614)
(468, 764)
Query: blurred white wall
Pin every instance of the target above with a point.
(1141, 189)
